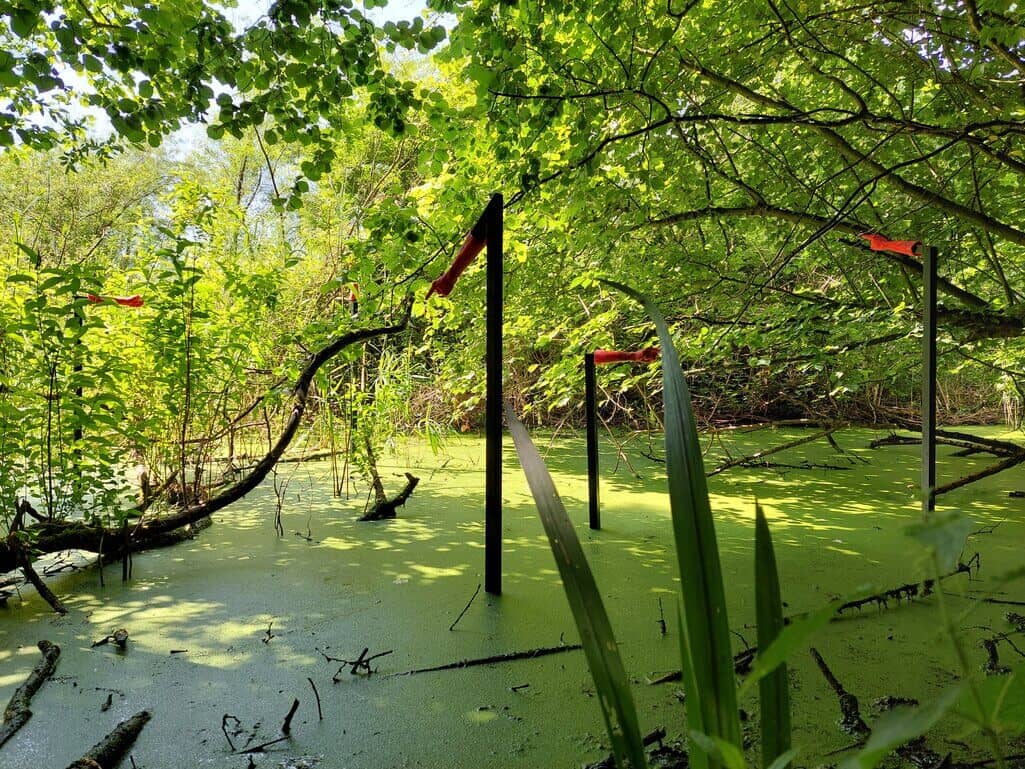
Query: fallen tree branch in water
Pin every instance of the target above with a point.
(530, 654)
(17, 713)
(111, 749)
(52, 536)
(908, 591)
(758, 455)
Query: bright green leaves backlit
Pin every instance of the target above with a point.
(152, 68)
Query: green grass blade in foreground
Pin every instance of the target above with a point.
(773, 688)
(704, 598)
(596, 636)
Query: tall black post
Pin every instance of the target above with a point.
(591, 414)
(80, 317)
(928, 378)
(493, 413)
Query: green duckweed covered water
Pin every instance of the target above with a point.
(398, 585)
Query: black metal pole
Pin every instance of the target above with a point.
(493, 413)
(928, 378)
(591, 414)
(80, 317)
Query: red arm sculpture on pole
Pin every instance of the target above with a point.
(125, 301)
(647, 355)
(881, 243)
(471, 247)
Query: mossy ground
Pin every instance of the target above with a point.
(399, 585)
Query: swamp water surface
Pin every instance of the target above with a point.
(251, 616)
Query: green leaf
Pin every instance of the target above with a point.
(610, 680)
(774, 686)
(719, 750)
(713, 689)
(1000, 706)
(23, 22)
(784, 759)
(898, 726)
(945, 534)
(790, 639)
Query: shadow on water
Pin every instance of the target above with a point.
(257, 613)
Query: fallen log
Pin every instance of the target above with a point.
(17, 713)
(108, 752)
(52, 536)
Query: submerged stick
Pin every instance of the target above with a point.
(17, 713)
(111, 749)
(286, 727)
(465, 608)
(320, 713)
(524, 655)
(851, 721)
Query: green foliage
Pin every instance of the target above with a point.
(61, 417)
(610, 679)
(708, 658)
(151, 67)
(774, 687)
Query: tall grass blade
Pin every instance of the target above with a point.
(610, 680)
(773, 688)
(712, 702)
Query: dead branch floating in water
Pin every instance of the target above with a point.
(993, 666)
(768, 452)
(1012, 454)
(17, 713)
(53, 536)
(385, 508)
(320, 713)
(111, 749)
(915, 751)
(851, 720)
(286, 727)
(360, 664)
(741, 666)
(37, 582)
(909, 591)
(465, 608)
(512, 656)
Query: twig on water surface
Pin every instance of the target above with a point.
(224, 728)
(286, 732)
(320, 713)
(262, 746)
(268, 635)
(17, 713)
(741, 666)
(1003, 602)
(510, 657)
(355, 666)
(465, 608)
(286, 727)
(852, 722)
(661, 618)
